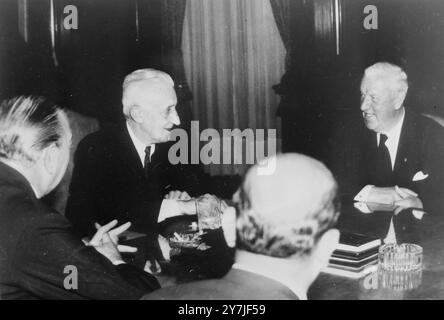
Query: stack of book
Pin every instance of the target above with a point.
(355, 256)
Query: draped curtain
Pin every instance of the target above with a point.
(293, 19)
(283, 15)
(173, 14)
(303, 28)
(233, 55)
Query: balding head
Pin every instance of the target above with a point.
(285, 213)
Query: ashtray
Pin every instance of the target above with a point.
(185, 240)
(189, 240)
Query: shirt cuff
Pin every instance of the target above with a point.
(169, 208)
(118, 262)
(362, 196)
(418, 214)
(361, 206)
(391, 235)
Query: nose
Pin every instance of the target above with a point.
(365, 103)
(174, 118)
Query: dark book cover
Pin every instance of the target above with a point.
(355, 256)
(353, 264)
(354, 242)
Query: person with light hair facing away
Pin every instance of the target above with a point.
(123, 171)
(285, 234)
(40, 255)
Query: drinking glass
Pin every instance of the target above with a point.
(403, 257)
(209, 212)
(400, 280)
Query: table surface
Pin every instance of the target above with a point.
(427, 232)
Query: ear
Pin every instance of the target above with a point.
(399, 99)
(326, 245)
(136, 114)
(50, 158)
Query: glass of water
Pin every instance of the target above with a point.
(209, 212)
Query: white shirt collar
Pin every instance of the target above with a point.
(139, 145)
(283, 279)
(35, 190)
(20, 171)
(393, 136)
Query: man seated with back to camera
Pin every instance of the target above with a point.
(284, 234)
(37, 244)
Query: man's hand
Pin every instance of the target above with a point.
(105, 241)
(187, 207)
(178, 195)
(383, 195)
(409, 200)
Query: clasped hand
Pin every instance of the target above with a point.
(402, 198)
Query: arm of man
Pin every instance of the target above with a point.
(184, 177)
(431, 189)
(96, 195)
(81, 209)
(343, 156)
(52, 263)
(379, 195)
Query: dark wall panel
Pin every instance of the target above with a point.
(79, 68)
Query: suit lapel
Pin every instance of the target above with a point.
(128, 153)
(157, 157)
(368, 150)
(406, 156)
(130, 158)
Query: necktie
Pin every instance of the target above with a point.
(384, 172)
(147, 160)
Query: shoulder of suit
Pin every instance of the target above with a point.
(237, 284)
(426, 126)
(103, 140)
(24, 212)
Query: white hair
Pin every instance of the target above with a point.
(389, 71)
(141, 75)
(27, 126)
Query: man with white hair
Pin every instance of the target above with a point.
(40, 255)
(284, 234)
(395, 156)
(123, 172)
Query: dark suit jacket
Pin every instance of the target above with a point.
(421, 148)
(108, 182)
(36, 244)
(236, 285)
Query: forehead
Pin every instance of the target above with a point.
(154, 93)
(378, 84)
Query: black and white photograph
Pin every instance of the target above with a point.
(221, 153)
